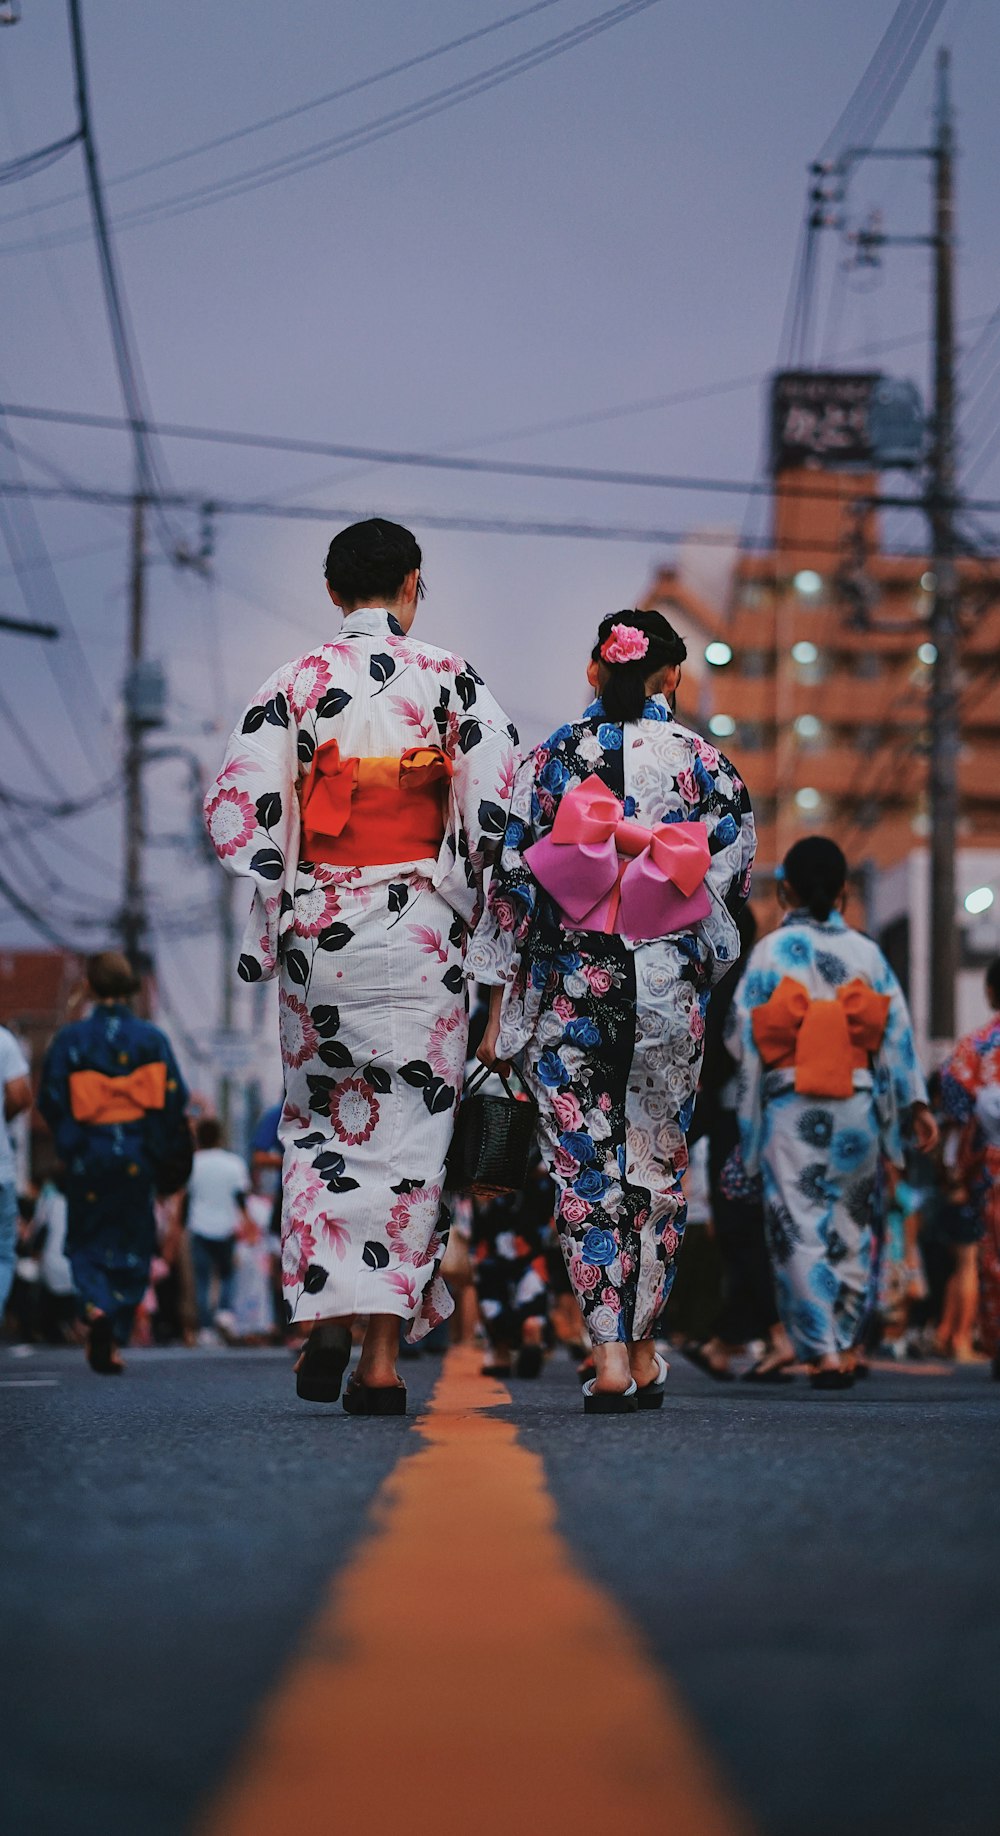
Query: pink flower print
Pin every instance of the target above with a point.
(412, 1226)
(598, 979)
(564, 1165)
(670, 1241)
(611, 1299)
(447, 1046)
(414, 717)
(707, 754)
(563, 1006)
(295, 1118)
(696, 1023)
(337, 1235)
(354, 1111)
(503, 912)
(231, 819)
(241, 765)
(316, 906)
(297, 1251)
(604, 1101)
(567, 1109)
(627, 644)
(309, 684)
(405, 1285)
(573, 1210)
(686, 786)
(430, 942)
(506, 776)
(299, 1038)
(583, 1276)
(628, 1264)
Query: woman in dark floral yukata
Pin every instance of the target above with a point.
(611, 913)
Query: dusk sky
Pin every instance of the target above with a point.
(612, 227)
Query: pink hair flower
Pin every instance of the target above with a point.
(625, 645)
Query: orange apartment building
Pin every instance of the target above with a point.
(812, 671)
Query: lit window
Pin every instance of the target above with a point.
(979, 900)
(807, 798)
(722, 725)
(718, 653)
(808, 727)
(928, 582)
(804, 652)
(927, 653)
(808, 582)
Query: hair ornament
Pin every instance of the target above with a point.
(626, 644)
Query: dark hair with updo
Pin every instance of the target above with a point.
(367, 563)
(815, 872)
(624, 693)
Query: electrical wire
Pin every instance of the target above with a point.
(380, 128)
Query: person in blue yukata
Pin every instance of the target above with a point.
(115, 1101)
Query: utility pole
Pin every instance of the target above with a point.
(944, 723)
(133, 922)
(227, 950)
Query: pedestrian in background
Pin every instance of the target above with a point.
(510, 1271)
(15, 1091)
(219, 1186)
(115, 1101)
(828, 1073)
(363, 795)
(970, 1095)
(627, 853)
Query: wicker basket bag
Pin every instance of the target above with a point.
(491, 1148)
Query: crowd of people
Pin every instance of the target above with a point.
(596, 891)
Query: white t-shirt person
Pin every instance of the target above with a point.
(218, 1180)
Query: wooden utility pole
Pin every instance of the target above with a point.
(944, 722)
(133, 921)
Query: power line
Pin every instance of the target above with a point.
(290, 114)
(338, 146)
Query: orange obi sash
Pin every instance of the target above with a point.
(372, 812)
(825, 1041)
(96, 1097)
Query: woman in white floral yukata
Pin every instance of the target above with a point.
(363, 794)
(611, 914)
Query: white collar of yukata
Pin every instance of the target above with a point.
(367, 621)
(657, 708)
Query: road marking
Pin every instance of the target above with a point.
(465, 1675)
(28, 1383)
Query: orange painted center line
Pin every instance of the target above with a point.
(465, 1677)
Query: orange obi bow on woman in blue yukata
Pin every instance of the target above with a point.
(608, 874)
(825, 1041)
(374, 812)
(96, 1097)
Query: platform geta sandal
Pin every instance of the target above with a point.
(324, 1361)
(695, 1354)
(610, 1402)
(363, 1399)
(832, 1380)
(529, 1361)
(102, 1355)
(651, 1394)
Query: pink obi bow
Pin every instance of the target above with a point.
(608, 874)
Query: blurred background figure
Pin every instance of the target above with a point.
(115, 1101)
(510, 1236)
(970, 1095)
(217, 1193)
(15, 1088)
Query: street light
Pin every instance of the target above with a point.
(718, 653)
(979, 900)
(807, 582)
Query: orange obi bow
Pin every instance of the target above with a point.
(354, 815)
(95, 1097)
(826, 1041)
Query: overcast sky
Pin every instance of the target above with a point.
(616, 225)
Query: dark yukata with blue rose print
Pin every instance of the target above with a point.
(612, 1027)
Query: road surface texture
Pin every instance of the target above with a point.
(225, 1611)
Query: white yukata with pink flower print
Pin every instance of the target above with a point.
(372, 995)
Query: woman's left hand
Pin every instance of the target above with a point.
(486, 1052)
(925, 1128)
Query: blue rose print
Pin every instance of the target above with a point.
(609, 736)
(554, 776)
(552, 1071)
(584, 1032)
(591, 1184)
(759, 985)
(539, 972)
(598, 1248)
(578, 1143)
(630, 809)
(655, 710)
(823, 1282)
(686, 1112)
(514, 833)
(702, 778)
(566, 962)
(726, 831)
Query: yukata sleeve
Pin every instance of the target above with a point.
(504, 929)
(482, 746)
(69, 1136)
(252, 814)
(899, 1079)
(724, 807)
(960, 1081)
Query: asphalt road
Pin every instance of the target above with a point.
(816, 1574)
